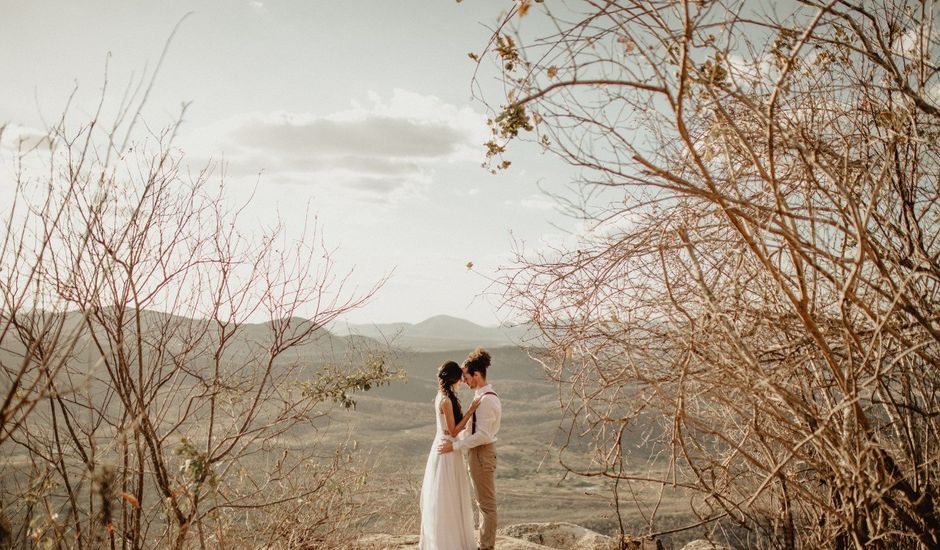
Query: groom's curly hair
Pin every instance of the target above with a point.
(448, 374)
(477, 361)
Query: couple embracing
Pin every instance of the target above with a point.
(446, 510)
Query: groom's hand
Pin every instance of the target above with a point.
(445, 447)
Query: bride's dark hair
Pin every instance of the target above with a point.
(448, 374)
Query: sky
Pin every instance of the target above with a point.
(357, 113)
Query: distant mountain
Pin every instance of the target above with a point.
(440, 333)
(321, 344)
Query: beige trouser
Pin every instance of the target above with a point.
(483, 476)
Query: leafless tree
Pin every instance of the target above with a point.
(163, 368)
(757, 286)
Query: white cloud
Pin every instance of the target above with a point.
(25, 154)
(537, 202)
(24, 139)
(915, 38)
(611, 227)
(382, 147)
(752, 73)
(932, 93)
(258, 6)
(582, 235)
(304, 136)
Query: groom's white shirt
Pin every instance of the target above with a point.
(488, 416)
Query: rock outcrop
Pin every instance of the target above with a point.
(537, 536)
(410, 542)
(705, 545)
(524, 536)
(560, 535)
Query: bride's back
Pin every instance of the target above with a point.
(441, 422)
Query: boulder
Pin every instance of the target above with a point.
(702, 544)
(643, 543)
(386, 542)
(510, 543)
(560, 535)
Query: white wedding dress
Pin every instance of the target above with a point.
(446, 512)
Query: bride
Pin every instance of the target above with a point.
(446, 513)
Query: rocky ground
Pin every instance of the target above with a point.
(536, 536)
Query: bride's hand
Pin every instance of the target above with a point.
(475, 404)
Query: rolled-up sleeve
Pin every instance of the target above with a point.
(487, 425)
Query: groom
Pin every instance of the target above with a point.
(482, 456)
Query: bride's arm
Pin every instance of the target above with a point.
(453, 430)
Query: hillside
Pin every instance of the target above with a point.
(440, 333)
(392, 426)
(321, 344)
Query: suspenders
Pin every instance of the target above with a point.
(473, 422)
